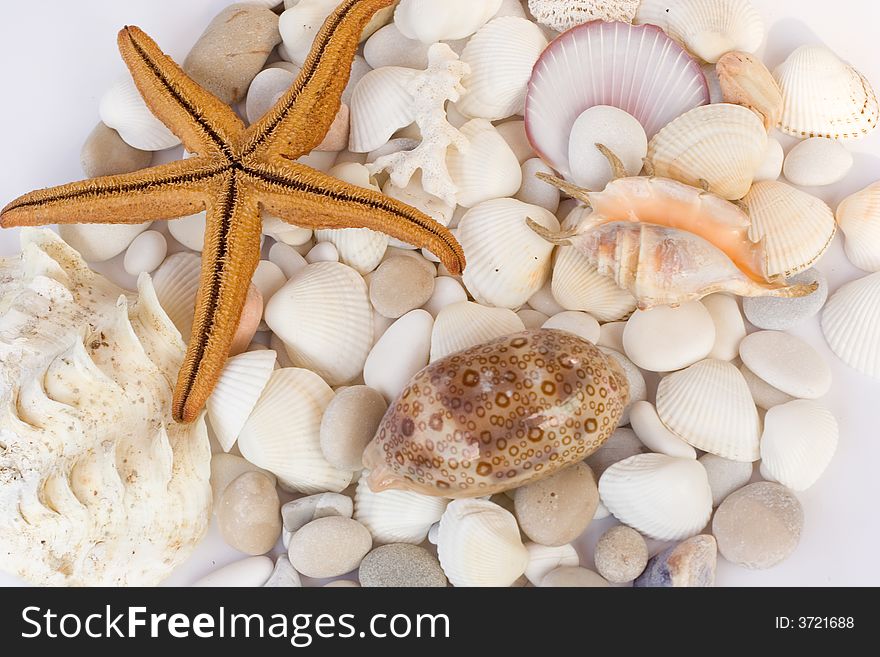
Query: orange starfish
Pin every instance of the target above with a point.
(237, 172)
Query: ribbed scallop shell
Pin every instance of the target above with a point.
(359, 248)
(710, 406)
(487, 169)
(479, 544)
(723, 145)
(824, 96)
(282, 434)
(660, 496)
(236, 394)
(465, 324)
(396, 516)
(443, 20)
(562, 15)
(708, 28)
(176, 283)
(797, 228)
(324, 317)
(851, 323)
(576, 285)
(859, 218)
(123, 109)
(507, 261)
(635, 68)
(501, 56)
(799, 441)
(380, 106)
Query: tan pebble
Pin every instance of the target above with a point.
(329, 547)
(622, 444)
(532, 319)
(249, 514)
(349, 423)
(758, 526)
(556, 510)
(226, 468)
(401, 565)
(400, 285)
(342, 584)
(336, 138)
(725, 476)
(573, 576)
(106, 154)
(251, 315)
(232, 50)
(621, 554)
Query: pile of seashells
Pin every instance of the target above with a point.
(658, 120)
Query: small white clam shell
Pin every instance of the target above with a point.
(543, 559)
(615, 129)
(282, 434)
(123, 109)
(501, 56)
(479, 544)
(660, 496)
(859, 219)
(466, 324)
(507, 261)
(323, 315)
(487, 169)
(396, 516)
(852, 325)
(798, 443)
(722, 145)
(380, 106)
(176, 283)
(443, 20)
(241, 383)
(562, 15)
(824, 96)
(710, 406)
(797, 228)
(816, 162)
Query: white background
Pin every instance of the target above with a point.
(58, 56)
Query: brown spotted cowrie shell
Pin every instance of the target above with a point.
(497, 416)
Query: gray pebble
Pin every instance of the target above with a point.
(622, 444)
(782, 314)
(621, 554)
(349, 424)
(688, 564)
(105, 154)
(284, 575)
(329, 547)
(401, 565)
(400, 285)
(725, 476)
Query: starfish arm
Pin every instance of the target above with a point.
(299, 121)
(204, 123)
(172, 190)
(305, 197)
(229, 259)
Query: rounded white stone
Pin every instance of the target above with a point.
(447, 291)
(514, 133)
(615, 129)
(322, 252)
(534, 190)
(403, 350)
(268, 279)
(654, 434)
(666, 339)
(287, 258)
(189, 231)
(816, 162)
(532, 319)
(544, 302)
(100, 242)
(250, 572)
(388, 47)
(611, 336)
(787, 363)
(771, 167)
(730, 328)
(581, 324)
(145, 253)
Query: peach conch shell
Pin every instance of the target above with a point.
(97, 485)
(497, 416)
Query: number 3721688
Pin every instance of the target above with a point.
(815, 622)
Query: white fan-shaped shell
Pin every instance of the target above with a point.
(797, 228)
(562, 15)
(576, 285)
(487, 169)
(710, 406)
(177, 283)
(380, 106)
(466, 324)
(798, 443)
(396, 516)
(123, 109)
(722, 144)
(479, 544)
(507, 261)
(282, 434)
(851, 323)
(324, 317)
(234, 397)
(660, 496)
(859, 218)
(443, 20)
(501, 56)
(710, 28)
(824, 96)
